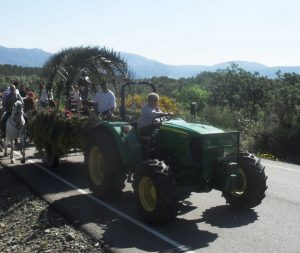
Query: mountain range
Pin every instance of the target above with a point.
(141, 66)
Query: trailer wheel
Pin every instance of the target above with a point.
(51, 158)
(104, 169)
(252, 183)
(155, 191)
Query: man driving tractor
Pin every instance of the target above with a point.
(149, 113)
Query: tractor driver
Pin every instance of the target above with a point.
(149, 112)
(105, 101)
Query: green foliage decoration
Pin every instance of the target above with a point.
(51, 129)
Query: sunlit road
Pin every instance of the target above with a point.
(207, 225)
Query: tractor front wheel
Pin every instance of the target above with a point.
(155, 190)
(252, 183)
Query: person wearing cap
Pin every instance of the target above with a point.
(104, 100)
(84, 83)
(149, 112)
(29, 103)
(31, 95)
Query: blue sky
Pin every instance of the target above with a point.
(175, 32)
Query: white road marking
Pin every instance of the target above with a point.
(279, 167)
(111, 208)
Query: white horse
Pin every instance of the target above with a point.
(15, 127)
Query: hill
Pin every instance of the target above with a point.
(23, 57)
(147, 68)
(142, 66)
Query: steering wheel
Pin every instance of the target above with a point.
(158, 120)
(108, 115)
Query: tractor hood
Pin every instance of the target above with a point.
(186, 127)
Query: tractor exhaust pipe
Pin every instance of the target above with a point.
(193, 111)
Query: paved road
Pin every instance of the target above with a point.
(206, 225)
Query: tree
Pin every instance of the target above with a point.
(193, 93)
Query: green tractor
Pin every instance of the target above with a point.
(177, 159)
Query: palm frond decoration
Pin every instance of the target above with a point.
(101, 64)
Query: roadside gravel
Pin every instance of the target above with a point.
(29, 224)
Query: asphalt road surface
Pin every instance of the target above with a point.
(206, 224)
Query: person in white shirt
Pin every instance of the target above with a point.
(51, 101)
(104, 101)
(7, 91)
(149, 112)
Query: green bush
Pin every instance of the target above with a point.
(218, 116)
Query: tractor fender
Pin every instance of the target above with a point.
(126, 142)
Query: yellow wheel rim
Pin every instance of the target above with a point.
(241, 189)
(96, 166)
(147, 194)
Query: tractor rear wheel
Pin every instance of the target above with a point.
(155, 190)
(252, 183)
(104, 169)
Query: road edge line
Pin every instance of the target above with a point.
(172, 242)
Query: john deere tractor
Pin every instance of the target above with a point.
(177, 159)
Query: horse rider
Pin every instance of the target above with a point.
(7, 91)
(10, 99)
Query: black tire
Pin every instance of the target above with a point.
(253, 183)
(51, 158)
(104, 168)
(154, 178)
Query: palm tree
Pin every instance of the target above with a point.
(100, 63)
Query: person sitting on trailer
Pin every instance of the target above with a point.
(43, 95)
(105, 101)
(75, 98)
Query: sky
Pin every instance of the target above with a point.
(177, 32)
